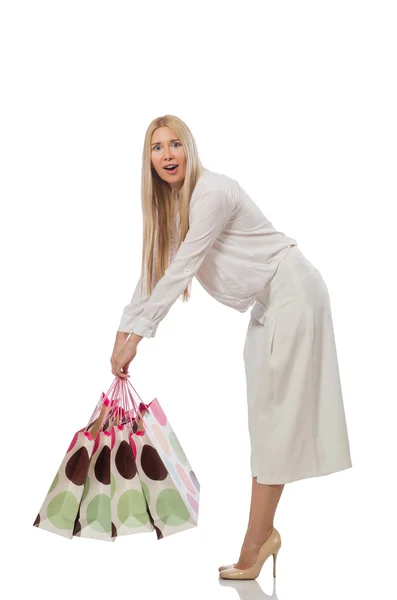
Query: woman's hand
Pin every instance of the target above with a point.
(123, 353)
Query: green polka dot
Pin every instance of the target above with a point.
(171, 508)
(177, 448)
(54, 483)
(131, 509)
(146, 491)
(98, 513)
(62, 510)
(86, 488)
(112, 485)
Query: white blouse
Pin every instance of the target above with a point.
(231, 248)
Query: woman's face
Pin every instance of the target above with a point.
(168, 150)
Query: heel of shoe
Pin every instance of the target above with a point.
(274, 562)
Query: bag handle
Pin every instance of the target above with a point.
(106, 406)
(117, 406)
(129, 403)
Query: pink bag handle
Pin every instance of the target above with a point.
(115, 385)
(110, 404)
(129, 404)
(121, 407)
(129, 383)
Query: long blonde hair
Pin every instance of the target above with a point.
(159, 203)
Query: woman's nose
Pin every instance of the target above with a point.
(168, 153)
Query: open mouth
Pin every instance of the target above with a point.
(171, 168)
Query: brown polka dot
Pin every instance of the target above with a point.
(152, 464)
(134, 427)
(114, 530)
(102, 466)
(125, 462)
(37, 521)
(77, 466)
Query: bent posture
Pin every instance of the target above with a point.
(199, 223)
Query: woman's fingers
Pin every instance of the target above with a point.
(119, 373)
(126, 367)
(117, 370)
(121, 361)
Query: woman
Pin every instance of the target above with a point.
(209, 227)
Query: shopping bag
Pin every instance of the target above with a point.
(113, 502)
(94, 519)
(171, 488)
(129, 509)
(61, 504)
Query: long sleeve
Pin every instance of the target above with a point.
(132, 310)
(207, 218)
(136, 305)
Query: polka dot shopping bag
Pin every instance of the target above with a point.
(78, 500)
(170, 485)
(113, 502)
(125, 473)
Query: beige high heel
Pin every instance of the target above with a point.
(270, 547)
(225, 567)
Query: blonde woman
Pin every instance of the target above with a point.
(199, 223)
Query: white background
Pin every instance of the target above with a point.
(295, 100)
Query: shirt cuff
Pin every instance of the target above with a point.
(143, 327)
(132, 324)
(126, 323)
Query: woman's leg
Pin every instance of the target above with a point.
(264, 501)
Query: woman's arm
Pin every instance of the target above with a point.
(133, 309)
(207, 219)
(137, 303)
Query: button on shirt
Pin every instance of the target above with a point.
(231, 248)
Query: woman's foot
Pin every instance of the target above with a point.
(250, 549)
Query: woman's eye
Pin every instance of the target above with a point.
(157, 146)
